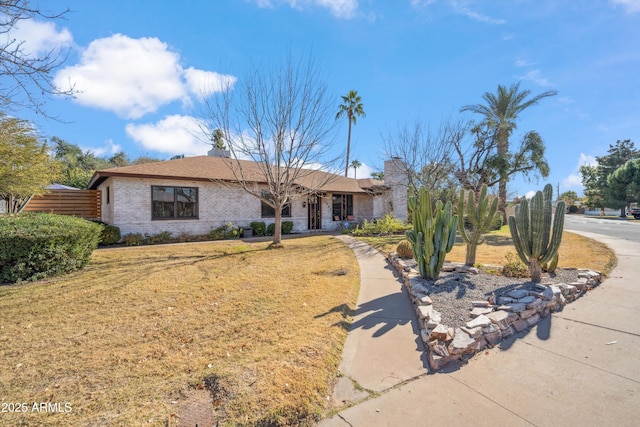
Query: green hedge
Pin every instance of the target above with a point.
(259, 228)
(34, 246)
(287, 226)
(110, 234)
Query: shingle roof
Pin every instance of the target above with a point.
(209, 168)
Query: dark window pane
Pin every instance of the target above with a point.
(174, 202)
(186, 202)
(186, 210)
(163, 209)
(342, 205)
(267, 211)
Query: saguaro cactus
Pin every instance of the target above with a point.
(481, 216)
(537, 240)
(433, 233)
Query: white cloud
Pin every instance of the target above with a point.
(520, 62)
(574, 180)
(204, 83)
(109, 148)
(344, 9)
(462, 8)
(530, 194)
(534, 76)
(421, 2)
(173, 135)
(631, 6)
(364, 171)
(133, 77)
(39, 38)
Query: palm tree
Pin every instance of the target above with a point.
(355, 165)
(501, 112)
(352, 107)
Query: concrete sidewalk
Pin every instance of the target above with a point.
(578, 367)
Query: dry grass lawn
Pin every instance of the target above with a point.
(575, 251)
(140, 327)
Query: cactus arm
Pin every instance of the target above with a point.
(548, 213)
(524, 230)
(517, 240)
(452, 235)
(537, 225)
(461, 211)
(558, 225)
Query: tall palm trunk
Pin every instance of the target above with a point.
(346, 167)
(503, 149)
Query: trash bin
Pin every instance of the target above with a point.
(247, 232)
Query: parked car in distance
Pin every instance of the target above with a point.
(635, 212)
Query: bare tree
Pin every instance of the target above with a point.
(427, 155)
(25, 77)
(281, 119)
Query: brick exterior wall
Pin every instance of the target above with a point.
(130, 207)
(397, 179)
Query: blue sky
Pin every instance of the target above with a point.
(139, 67)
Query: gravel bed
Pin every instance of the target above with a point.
(453, 293)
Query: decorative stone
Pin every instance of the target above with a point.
(468, 269)
(425, 299)
(492, 334)
(515, 307)
(589, 274)
(506, 300)
(424, 311)
(480, 321)
(424, 334)
(518, 293)
(480, 303)
(477, 311)
(520, 325)
(439, 333)
(527, 313)
(501, 318)
(540, 286)
(507, 332)
(580, 286)
(437, 362)
(536, 304)
(533, 319)
(478, 345)
(416, 283)
(430, 324)
(474, 333)
(526, 300)
(440, 350)
(461, 342)
(448, 267)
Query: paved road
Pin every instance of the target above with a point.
(628, 229)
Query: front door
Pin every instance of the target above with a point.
(314, 207)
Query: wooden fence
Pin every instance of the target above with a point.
(81, 203)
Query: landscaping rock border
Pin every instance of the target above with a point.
(490, 321)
